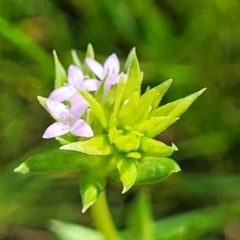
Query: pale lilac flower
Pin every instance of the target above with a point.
(67, 120)
(110, 67)
(76, 81)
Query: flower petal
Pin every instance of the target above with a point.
(58, 110)
(112, 65)
(112, 80)
(56, 129)
(75, 76)
(62, 93)
(96, 67)
(79, 105)
(91, 84)
(81, 128)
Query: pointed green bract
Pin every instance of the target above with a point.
(55, 160)
(90, 188)
(153, 169)
(60, 73)
(95, 106)
(158, 92)
(98, 145)
(151, 147)
(135, 76)
(75, 58)
(128, 106)
(178, 107)
(155, 125)
(89, 54)
(127, 168)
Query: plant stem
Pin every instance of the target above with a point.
(103, 219)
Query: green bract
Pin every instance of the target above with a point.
(124, 122)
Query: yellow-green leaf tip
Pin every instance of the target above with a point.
(22, 168)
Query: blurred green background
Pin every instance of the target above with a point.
(196, 43)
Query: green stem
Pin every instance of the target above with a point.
(102, 218)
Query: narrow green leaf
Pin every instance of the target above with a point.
(96, 107)
(89, 54)
(90, 188)
(75, 58)
(99, 94)
(127, 168)
(60, 73)
(153, 169)
(69, 231)
(178, 107)
(126, 114)
(55, 160)
(151, 147)
(98, 145)
(156, 93)
(155, 125)
(140, 221)
(134, 78)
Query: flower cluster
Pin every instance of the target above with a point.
(102, 116)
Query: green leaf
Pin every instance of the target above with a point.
(151, 147)
(60, 73)
(153, 169)
(178, 107)
(140, 221)
(98, 145)
(96, 107)
(126, 114)
(127, 167)
(134, 79)
(75, 58)
(90, 188)
(155, 125)
(89, 54)
(99, 94)
(55, 160)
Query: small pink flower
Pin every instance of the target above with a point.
(75, 82)
(110, 67)
(67, 120)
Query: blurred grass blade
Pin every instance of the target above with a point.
(26, 44)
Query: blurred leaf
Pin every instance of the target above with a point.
(26, 44)
(68, 231)
(98, 145)
(153, 169)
